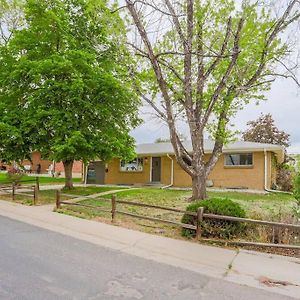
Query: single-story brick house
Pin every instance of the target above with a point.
(241, 165)
(47, 165)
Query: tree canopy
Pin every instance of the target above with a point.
(264, 130)
(202, 61)
(64, 84)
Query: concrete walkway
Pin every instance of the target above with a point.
(93, 196)
(269, 272)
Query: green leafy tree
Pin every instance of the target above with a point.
(65, 89)
(296, 193)
(202, 61)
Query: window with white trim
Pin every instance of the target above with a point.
(239, 159)
(135, 165)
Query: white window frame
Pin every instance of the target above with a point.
(141, 159)
(239, 165)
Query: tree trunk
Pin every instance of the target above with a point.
(199, 187)
(68, 166)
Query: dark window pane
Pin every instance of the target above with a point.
(243, 159)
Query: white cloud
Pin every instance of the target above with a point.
(283, 103)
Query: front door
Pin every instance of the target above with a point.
(156, 169)
(96, 172)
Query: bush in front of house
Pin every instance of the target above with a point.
(15, 175)
(296, 193)
(212, 228)
(284, 178)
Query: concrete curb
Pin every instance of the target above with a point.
(243, 267)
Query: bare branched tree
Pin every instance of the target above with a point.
(206, 60)
(11, 18)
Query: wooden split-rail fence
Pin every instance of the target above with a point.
(200, 216)
(13, 189)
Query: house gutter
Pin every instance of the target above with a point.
(266, 177)
(172, 173)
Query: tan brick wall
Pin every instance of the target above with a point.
(252, 178)
(249, 177)
(166, 165)
(115, 176)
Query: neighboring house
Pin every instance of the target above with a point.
(242, 165)
(48, 165)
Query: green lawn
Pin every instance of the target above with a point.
(49, 196)
(89, 190)
(277, 207)
(266, 206)
(43, 180)
(261, 205)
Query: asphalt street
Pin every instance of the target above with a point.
(40, 264)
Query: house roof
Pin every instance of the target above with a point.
(239, 146)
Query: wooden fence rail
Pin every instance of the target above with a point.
(12, 188)
(8, 183)
(252, 221)
(199, 215)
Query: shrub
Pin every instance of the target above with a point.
(296, 193)
(284, 178)
(216, 228)
(15, 176)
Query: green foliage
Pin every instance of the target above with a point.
(210, 19)
(296, 194)
(297, 159)
(15, 176)
(65, 89)
(216, 228)
(284, 177)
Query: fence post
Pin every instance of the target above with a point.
(13, 191)
(113, 207)
(37, 181)
(200, 212)
(58, 205)
(35, 194)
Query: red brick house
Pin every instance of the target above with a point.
(37, 159)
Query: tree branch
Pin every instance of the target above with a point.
(225, 77)
(280, 25)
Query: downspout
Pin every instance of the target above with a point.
(172, 173)
(266, 177)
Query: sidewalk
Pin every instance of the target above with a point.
(269, 272)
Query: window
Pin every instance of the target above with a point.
(243, 159)
(135, 165)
